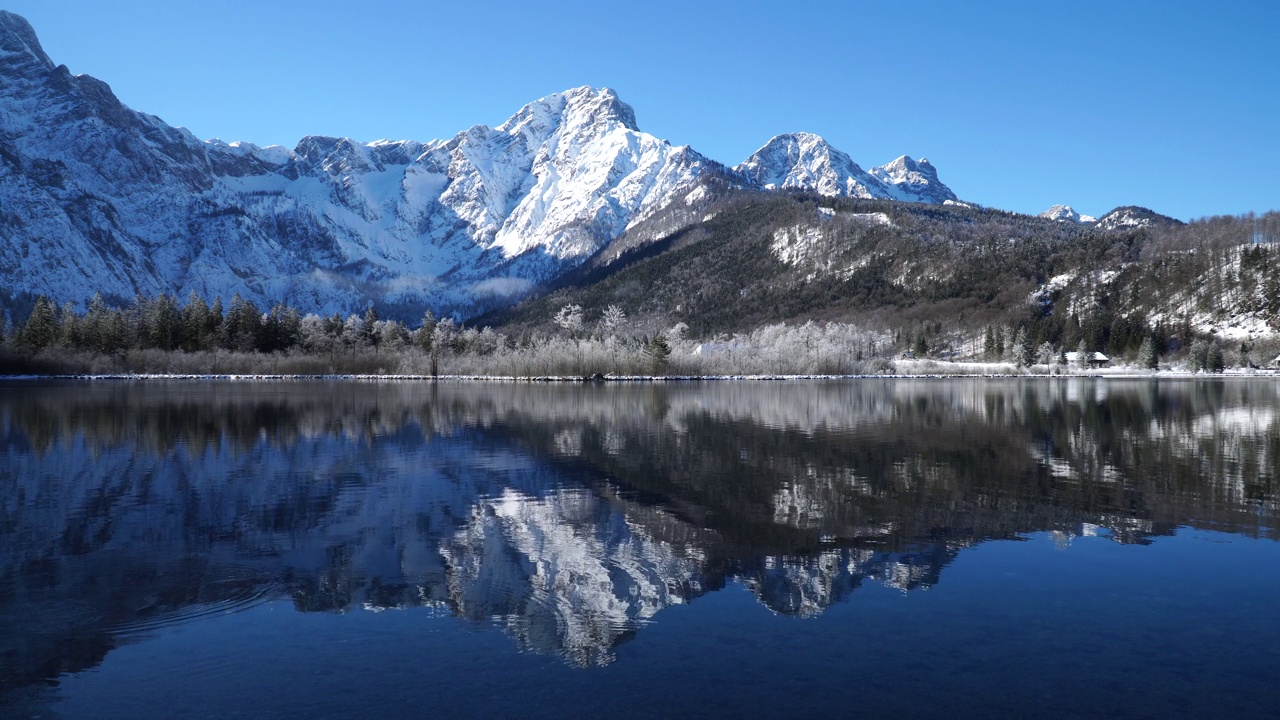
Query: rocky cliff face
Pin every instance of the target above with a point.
(807, 162)
(97, 197)
(1066, 213)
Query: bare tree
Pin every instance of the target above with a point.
(612, 322)
(570, 319)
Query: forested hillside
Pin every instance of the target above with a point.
(944, 279)
(759, 282)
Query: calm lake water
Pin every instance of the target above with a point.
(873, 548)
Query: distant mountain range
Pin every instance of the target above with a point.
(97, 197)
(807, 162)
(557, 204)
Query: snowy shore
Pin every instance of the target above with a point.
(923, 370)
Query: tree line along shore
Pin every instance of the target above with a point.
(161, 335)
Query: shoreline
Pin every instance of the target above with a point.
(636, 379)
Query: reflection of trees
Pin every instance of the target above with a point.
(570, 515)
(877, 463)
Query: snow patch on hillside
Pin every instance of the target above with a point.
(793, 244)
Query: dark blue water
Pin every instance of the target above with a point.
(867, 548)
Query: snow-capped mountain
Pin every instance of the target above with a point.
(1066, 213)
(1131, 217)
(804, 161)
(913, 181)
(97, 197)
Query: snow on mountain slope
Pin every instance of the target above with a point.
(913, 181)
(804, 161)
(1065, 213)
(1133, 217)
(97, 197)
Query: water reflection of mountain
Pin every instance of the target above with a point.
(570, 515)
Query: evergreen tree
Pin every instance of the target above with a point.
(215, 319)
(1199, 355)
(242, 325)
(1160, 339)
(1147, 357)
(368, 329)
(41, 329)
(71, 332)
(920, 348)
(96, 327)
(334, 329)
(163, 323)
(280, 330)
(195, 323)
(657, 353)
(1216, 361)
(1023, 355)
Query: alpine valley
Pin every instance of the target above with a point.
(567, 200)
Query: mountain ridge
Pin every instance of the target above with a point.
(1066, 213)
(807, 162)
(101, 197)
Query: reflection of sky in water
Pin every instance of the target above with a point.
(164, 527)
(1022, 629)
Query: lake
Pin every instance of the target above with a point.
(1036, 548)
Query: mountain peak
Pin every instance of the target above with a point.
(18, 39)
(805, 161)
(797, 142)
(605, 100)
(1128, 217)
(913, 180)
(578, 106)
(1066, 213)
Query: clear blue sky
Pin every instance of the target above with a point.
(1020, 105)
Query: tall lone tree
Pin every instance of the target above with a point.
(41, 328)
(1147, 357)
(658, 354)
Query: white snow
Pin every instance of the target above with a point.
(699, 194)
(792, 245)
(1065, 213)
(804, 161)
(876, 218)
(334, 220)
(1124, 218)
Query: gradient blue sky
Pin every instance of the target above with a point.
(1020, 105)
